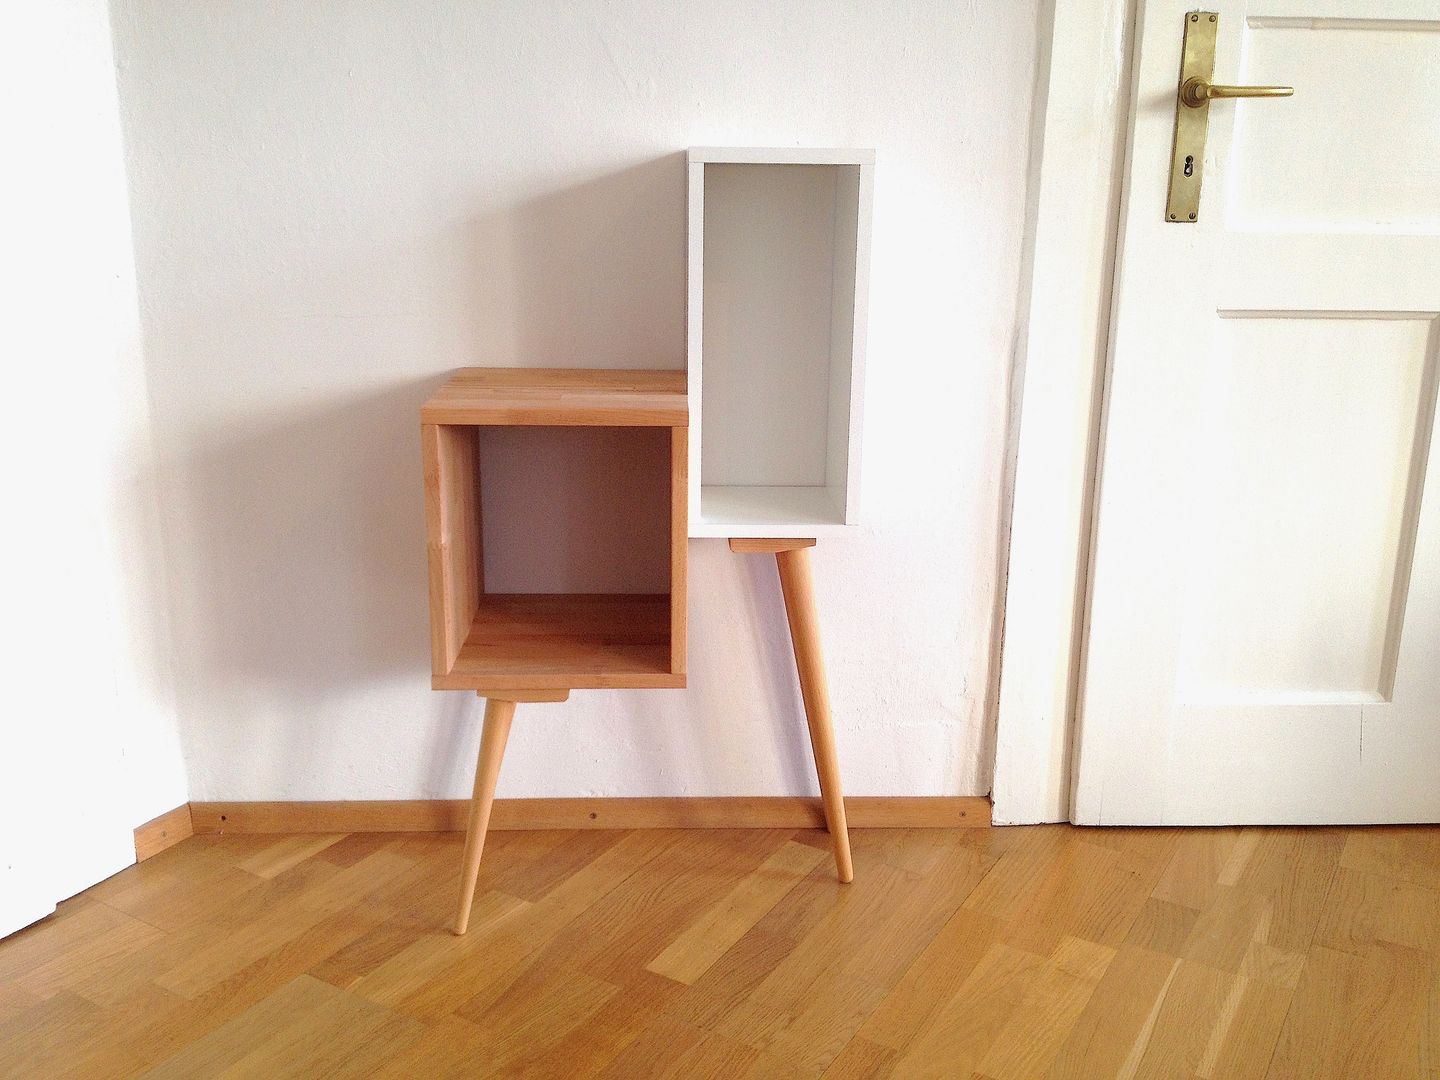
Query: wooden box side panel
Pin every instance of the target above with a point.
(452, 526)
(679, 545)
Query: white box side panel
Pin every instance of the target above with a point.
(842, 327)
(864, 205)
(694, 323)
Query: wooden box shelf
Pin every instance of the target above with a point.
(523, 561)
(564, 641)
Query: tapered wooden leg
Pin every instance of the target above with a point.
(498, 715)
(797, 585)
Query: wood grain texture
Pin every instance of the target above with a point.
(449, 815)
(746, 545)
(453, 538)
(798, 587)
(498, 715)
(518, 696)
(679, 548)
(566, 641)
(162, 832)
(1049, 952)
(560, 397)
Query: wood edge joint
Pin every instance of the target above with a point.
(769, 545)
(164, 831)
(525, 695)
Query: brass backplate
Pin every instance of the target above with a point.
(1187, 162)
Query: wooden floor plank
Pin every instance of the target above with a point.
(41, 1040)
(98, 941)
(287, 851)
(1110, 1035)
(661, 1041)
(1195, 869)
(704, 941)
(862, 1060)
(541, 1010)
(1356, 1015)
(932, 980)
(473, 981)
(593, 1044)
(1366, 908)
(1241, 1046)
(1022, 1049)
(1409, 853)
(308, 1028)
(281, 917)
(411, 971)
(1190, 1014)
(1430, 1030)
(626, 929)
(1162, 926)
(1051, 952)
(966, 1026)
(815, 999)
(1091, 894)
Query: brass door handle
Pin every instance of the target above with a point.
(1196, 92)
(1192, 112)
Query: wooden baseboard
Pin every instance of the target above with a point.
(162, 832)
(448, 815)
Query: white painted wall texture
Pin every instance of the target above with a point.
(336, 204)
(91, 746)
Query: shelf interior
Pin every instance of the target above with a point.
(778, 273)
(769, 511)
(570, 640)
(575, 509)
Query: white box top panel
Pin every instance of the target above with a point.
(781, 155)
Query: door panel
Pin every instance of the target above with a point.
(1361, 126)
(1262, 631)
(1308, 430)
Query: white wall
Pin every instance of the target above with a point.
(91, 746)
(336, 204)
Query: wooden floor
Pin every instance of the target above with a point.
(1004, 953)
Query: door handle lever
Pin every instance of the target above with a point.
(1196, 92)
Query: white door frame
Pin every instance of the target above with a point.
(1078, 160)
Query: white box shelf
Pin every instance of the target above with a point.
(779, 254)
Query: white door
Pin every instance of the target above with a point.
(1264, 622)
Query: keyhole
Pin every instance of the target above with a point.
(1189, 165)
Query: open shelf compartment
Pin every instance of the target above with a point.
(555, 504)
(779, 249)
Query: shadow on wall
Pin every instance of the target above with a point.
(588, 275)
(302, 578)
(743, 701)
(308, 529)
(309, 547)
